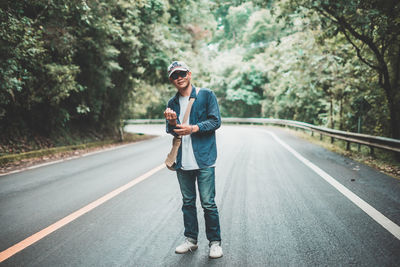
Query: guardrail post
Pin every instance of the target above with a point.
(332, 140)
(320, 136)
(371, 151)
(121, 134)
(121, 127)
(347, 145)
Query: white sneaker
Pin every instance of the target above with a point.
(188, 245)
(215, 250)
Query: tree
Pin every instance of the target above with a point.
(37, 72)
(71, 65)
(373, 28)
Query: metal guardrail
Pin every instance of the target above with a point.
(350, 137)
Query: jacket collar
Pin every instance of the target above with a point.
(192, 94)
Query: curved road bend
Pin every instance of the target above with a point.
(275, 209)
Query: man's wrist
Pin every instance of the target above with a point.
(194, 129)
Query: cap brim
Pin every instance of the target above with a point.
(178, 68)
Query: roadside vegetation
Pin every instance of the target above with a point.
(71, 71)
(380, 159)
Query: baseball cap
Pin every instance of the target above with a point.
(177, 65)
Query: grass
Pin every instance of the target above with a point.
(382, 160)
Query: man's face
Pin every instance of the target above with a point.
(181, 79)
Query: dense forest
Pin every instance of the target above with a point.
(86, 65)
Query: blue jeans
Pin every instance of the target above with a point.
(206, 185)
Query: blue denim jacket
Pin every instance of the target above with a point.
(204, 113)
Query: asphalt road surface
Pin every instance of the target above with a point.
(282, 202)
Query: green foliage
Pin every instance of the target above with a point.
(373, 29)
(232, 30)
(312, 72)
(68, 64)
(242, 91)
(89, 64)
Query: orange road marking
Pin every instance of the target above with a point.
(73, 216)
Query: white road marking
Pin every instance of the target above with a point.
(390, 226)
(73, 216)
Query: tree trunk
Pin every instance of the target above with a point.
(332, 123)
(393, 97)
(341, 114)
(395, 118)
(394, 107)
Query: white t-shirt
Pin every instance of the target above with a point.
(188, 159)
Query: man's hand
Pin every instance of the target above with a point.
(185, 129)
(170, 115)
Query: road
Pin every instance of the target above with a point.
(276, 208)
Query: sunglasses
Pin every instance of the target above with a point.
(177, 74)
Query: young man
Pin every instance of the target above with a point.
(196, 156)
